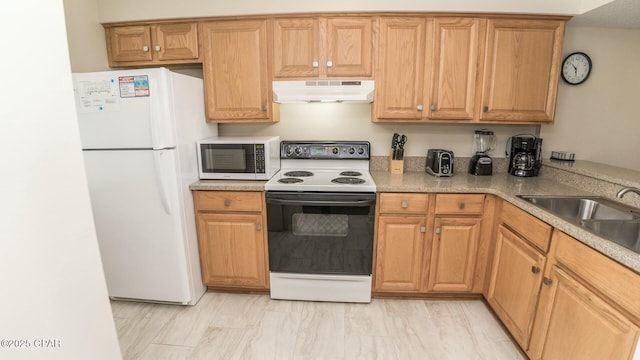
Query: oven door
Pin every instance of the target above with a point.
(320, 233)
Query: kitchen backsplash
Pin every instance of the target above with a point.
(417, 163)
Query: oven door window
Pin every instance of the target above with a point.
(228, 158)
(320, 233)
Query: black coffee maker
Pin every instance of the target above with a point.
(524, 155)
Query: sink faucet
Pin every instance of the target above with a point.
(626, 190)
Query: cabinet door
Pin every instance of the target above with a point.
(176, 41)
(399, 249)
(521, 70)
(232, 250)
(130, 43)
(453, 254)
(455, 68)
(348, 47)
(236, 77)
(296, 48)
(400, 68)
(515, 283)
(581, 325)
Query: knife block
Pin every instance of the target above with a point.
(395, 166)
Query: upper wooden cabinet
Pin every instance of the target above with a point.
(322, 47)
(400, 64)
(455, 68)
(521, 70)
(236, 72)
(164, 43)
(428, 68)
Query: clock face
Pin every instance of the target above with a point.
(576, 68)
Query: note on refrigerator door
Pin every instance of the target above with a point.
(99, 94)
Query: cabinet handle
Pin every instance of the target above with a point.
(227, 202)
(461, 205)
(258, 227)
(423, 229)
(485, 109)
(438, 230)
(434, 107)
(419, 107)
(145, 48)
(547, 281)
(158, 48)
(264, 107)
(329, 63)
(535, 269)
(315, 64)
(404, 205)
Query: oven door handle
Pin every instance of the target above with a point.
(359, 203)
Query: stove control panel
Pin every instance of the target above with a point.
(357, 150)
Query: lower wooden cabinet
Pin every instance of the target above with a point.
(400, 248)
(453, 255)
(589, 306)
(514, 286)
(232, 240)
(582, 325)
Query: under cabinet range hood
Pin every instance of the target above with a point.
(298, 91)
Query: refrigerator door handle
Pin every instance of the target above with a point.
(159, 157)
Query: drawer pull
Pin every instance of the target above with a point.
(461, 205)
(227, 202)
(547, 281)
(404, 205)
(535, 269)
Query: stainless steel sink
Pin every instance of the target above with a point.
(609, 219)
(622, 232)
(584, 208)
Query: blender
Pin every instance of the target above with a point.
(483, 141)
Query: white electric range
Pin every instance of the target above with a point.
(320, 221)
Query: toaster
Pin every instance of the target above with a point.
(439, 162)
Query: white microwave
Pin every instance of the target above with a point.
(241, 158)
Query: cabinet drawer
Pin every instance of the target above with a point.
(403, 203)
(459, 203)
(532, 229)
(616, 282)
(228, 200)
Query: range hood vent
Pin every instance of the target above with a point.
(323, 91)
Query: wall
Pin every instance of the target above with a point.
(53, 287)
(87, 44)
(599, 119)
(353, 122)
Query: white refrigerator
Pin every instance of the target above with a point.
(139, 130)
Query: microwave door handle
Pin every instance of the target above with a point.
(320, 203)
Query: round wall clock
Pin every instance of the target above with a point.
(576, 68)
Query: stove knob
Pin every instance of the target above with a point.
(289, 150)
(335, 151)
(361, 151)
(298, 150)
(352, 151)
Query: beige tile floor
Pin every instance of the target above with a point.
(242, 326)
